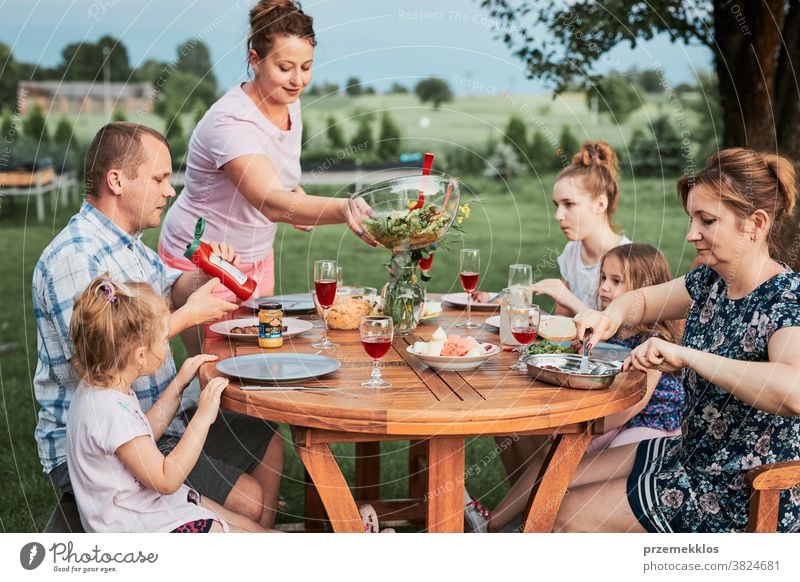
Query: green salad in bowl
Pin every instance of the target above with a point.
(410, 213)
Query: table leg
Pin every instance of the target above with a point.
(315, 516)
(445, 495)
(554, 478)
(368, 470)
(417, 469)
(331, 486)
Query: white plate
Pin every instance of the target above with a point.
(455, 363)
(460, 300)
(278, 367)
(295, 327)
(494, 320)
(432, 309)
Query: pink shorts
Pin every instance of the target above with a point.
(263, 272)
(625, 436)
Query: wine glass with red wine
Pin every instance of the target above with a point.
(469, 273)
(524, 320)
(325, 283)
(425, 265)
(376, 339)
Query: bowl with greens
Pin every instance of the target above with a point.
(411, 212)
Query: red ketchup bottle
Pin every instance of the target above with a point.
(200, 254)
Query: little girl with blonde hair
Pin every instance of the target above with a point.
(122, 482)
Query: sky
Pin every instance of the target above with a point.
(379, 42)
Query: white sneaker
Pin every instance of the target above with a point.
(476, 516)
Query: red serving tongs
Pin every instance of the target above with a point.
(427, 164)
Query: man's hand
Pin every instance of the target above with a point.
(203, 307)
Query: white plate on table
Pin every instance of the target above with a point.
(294, 327)
(278, 367)
(494, 320)
(456, 363)
(460, 300)
(295, 303)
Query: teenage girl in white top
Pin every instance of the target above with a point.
(586, 195)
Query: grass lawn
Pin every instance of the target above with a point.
(468, 121)
(510, 223)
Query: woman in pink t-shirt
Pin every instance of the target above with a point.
(243, 169)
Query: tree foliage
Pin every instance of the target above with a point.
(615, 95)
(64, 132)
(362, 139)
(389, 138)
(515, 135)
(334, 133)
(86, 61)
(353, 87)
(35, 125)
(503, 163)
(433, 90)
(9, 76)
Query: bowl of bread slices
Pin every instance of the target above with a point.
(453, 353)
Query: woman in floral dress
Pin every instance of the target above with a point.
(740, 359)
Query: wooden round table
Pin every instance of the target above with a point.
(436, 411)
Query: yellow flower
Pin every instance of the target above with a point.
(464, 210)
(460, 219)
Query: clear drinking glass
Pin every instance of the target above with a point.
(469, 273)
(325, 283)
(524, 320)
(520, 275)
(377, 332)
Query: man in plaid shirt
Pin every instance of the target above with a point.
(127, 172)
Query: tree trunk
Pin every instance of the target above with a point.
(757, 53)
(748, 39)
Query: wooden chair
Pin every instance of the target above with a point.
(767, 482)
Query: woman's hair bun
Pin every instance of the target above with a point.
(598, 153)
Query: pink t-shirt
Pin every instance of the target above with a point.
(109, 497)
(232, 128)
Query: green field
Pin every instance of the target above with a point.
(469, 121)
(511, 222)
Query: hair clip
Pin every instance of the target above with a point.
(108, 287)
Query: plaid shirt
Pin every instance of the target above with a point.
(89, 246)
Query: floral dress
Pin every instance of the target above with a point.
(663, 412)
(696, 482)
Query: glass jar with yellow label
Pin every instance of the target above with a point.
(270, 325)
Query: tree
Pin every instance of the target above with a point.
(305, 133)
(437, 91)
(515, 136)
(503, 163)
(398, 88)
(755, 58)
(63, 133)
(657, 154)
(9, 76)
(182, 92)
(568, 146)
(614, 95)
(8, 131)
(35, 126)
(194, 57)
(363, 136)
(353, 87)
(389, 140)
(86, 61)
(334, 133)
(541, 154)
(119, 115)
(648, 80)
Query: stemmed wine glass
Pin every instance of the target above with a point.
(325, 283)
(470, 271)
(520, 275)
(524, 319)
(376, 339)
